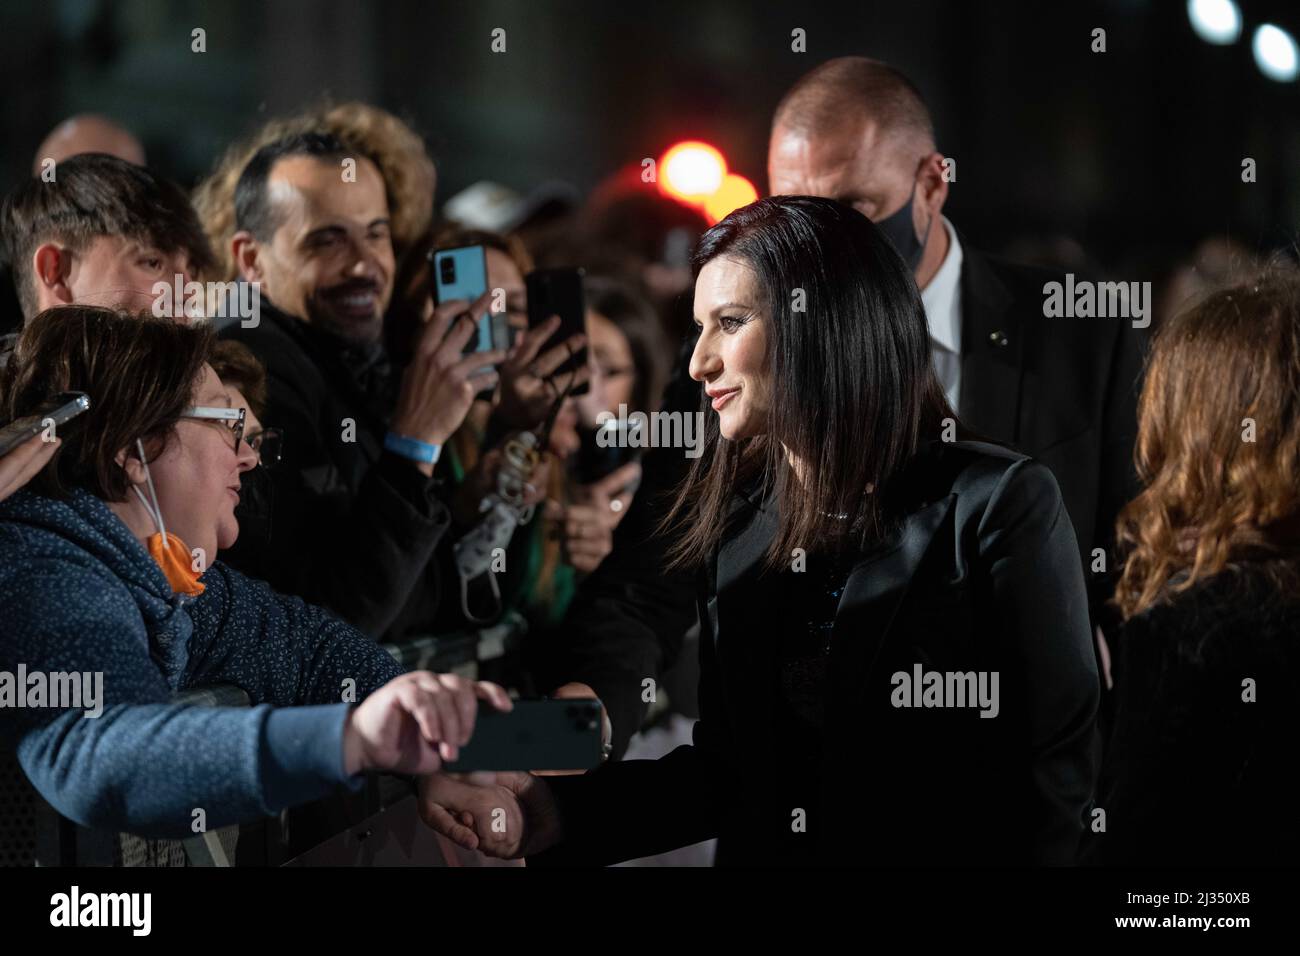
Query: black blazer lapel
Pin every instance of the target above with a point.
(743, 642)
(872, 595)
(992, 344)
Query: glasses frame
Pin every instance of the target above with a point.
(277, 434)
(218, 413)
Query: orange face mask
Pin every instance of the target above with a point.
(174, 559)
(168, 550)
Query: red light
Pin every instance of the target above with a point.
(691, 172)
(735, 191)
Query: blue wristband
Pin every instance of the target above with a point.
(412, 448)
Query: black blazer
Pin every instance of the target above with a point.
(1195, 774)
(1063, 391)
(983, 575)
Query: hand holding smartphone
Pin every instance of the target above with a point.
(52, 413)
(535, 735)
(461, 273)
(559, 292)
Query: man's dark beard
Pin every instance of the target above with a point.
(324, 316)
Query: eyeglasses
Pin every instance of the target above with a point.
(234, 416)
(268, 443)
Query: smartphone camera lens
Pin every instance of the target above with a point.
(447, 271)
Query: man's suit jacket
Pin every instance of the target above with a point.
(1060, 390)
(981, 576)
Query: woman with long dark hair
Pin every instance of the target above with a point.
(895, 655)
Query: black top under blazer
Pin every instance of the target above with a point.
(982, 575)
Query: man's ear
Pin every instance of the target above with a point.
(934, 185)
(51, 267)
(247, 255)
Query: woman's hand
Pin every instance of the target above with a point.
(415, 722)
(18, 467)
(481, 480)
(587, 526)
(504, 815)
(587, 533)
(611, 495)
(527, 390)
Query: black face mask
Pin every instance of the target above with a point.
(901, 234)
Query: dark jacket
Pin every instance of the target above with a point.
(1195, 773)
(1063, 391)
(982, 576)
(81, 595)
(352, 527)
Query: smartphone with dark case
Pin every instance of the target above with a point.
(536, 735)
(559, 292)
(57, 410)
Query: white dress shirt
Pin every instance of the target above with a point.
(942, 300)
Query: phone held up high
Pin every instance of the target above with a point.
(559, 292)
(461, 273)
(53, 412)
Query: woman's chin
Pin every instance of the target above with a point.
(227, 535)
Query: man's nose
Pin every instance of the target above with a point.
(181, 267)
(365, 263)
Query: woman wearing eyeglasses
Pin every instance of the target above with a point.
(107, 569)
(245, 381)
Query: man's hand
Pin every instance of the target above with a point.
(504, 815)
(415, 722)
(18, 467)
(439, 385)
(527, 390)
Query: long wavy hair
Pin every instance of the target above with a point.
(854, 392)
(1218, 447)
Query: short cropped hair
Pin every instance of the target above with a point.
(857, 86)
(254, 210)
(96, 195)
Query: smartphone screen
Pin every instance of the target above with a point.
(58, 410)
(559, 292)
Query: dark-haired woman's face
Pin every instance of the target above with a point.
(613, 370)
(730, 358)
(197, 477)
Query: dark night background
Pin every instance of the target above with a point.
(1135, 152)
